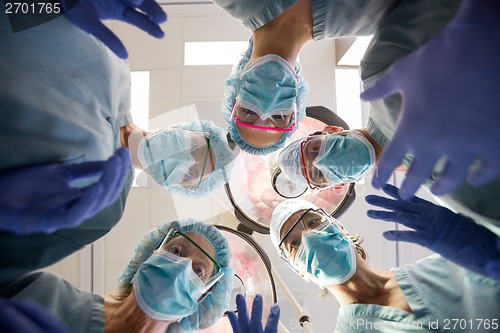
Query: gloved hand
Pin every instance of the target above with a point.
(18, 316)
(242, 324)
(87, 15)
(454, 236)
(450, 91)
(41, 198)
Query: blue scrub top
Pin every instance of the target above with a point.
(63, 98)
(444, 297)
(339, 18)
(63, 95)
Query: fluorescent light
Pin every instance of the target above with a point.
(139, 108)
(140, 99)
(347, 84)
(213, 53)
(354, 54)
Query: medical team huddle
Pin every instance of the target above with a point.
(430, 75)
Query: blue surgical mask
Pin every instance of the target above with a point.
(268, 86)
(167, 155)
(166, 287)
(344, 159)
(326, 256)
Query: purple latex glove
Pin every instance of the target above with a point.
(450, 104)
(18, 316)
(41, 198)
(242, 324)
(454, 236)
(88, 14)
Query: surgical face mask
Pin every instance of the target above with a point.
(173, 156)
(326, 256)
(341, 159)
(267, 89)
(166, 287)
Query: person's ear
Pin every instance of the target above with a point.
(330, 129)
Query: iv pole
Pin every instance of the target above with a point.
(304, 319)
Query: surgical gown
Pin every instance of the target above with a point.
(444, 297)
(409, 26)
(78, 311)
(63, 98)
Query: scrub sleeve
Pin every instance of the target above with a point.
(78, 311)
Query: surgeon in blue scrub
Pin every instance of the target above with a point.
(333, 157)
(411, 298)
(65, 100)
(265, 93)
(64, 96)
(178, 280)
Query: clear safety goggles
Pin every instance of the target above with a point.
(309, 149)
(311, 219)
(204, 266)
(193, 177)
(277, 121)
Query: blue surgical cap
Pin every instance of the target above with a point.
(230, 95)
(224, 159)
(289, 162)
(281, 213)
(216, 302)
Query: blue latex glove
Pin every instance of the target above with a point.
(454, 236)
(41, 198)
(450, 91)
(242, 324)
(18, 316)
(87, 15)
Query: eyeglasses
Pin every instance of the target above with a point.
(314, 177)
(204, 266)
(188, 176)
(245, 117)
(309, 220)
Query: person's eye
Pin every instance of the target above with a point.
(249, 112)
(293, 246)
(200, 271)
(278, 117)
(315, 147)
(176, 250)
(313, 222)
